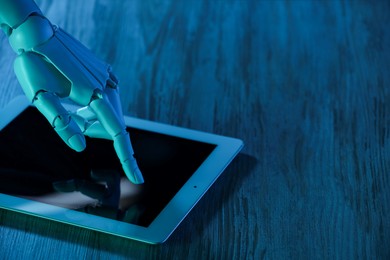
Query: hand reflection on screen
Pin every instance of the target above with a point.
(104, 188)
(105, 193)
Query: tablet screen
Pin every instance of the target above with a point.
(36, 164)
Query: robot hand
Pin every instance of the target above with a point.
(52, 65)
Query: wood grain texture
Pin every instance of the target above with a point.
(305, 84)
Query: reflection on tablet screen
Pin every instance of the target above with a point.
(36, 164)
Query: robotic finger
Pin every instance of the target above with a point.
(44, 86)
(115, 127)
(50, 106)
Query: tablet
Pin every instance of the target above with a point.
(41, 176)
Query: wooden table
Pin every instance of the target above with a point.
(305, 84)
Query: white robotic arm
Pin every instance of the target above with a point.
(51, 65)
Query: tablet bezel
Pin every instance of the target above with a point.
(174, 212)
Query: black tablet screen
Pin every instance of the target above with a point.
(35, 163)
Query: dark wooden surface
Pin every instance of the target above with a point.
(305, 84)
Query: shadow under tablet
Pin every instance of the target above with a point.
(36, 164)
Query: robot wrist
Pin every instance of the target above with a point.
(34, 31)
